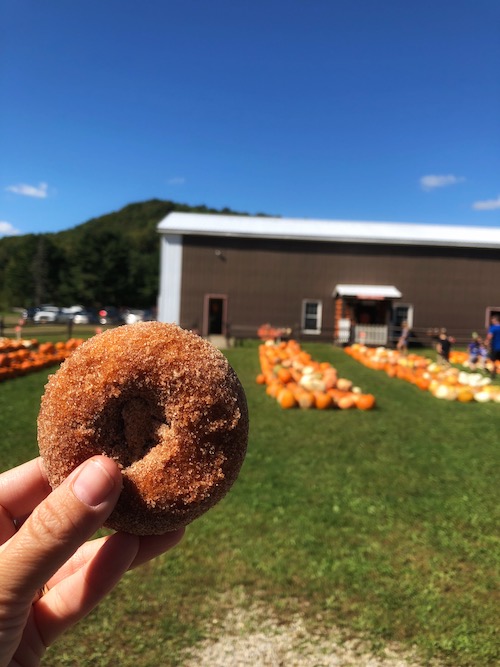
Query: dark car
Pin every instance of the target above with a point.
(109, 315)
(64, 316)
(29, 313)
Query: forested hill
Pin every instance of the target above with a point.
(113, 259)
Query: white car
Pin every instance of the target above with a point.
(72, 310)
(133, 316)
(81, 317)
(46, 314)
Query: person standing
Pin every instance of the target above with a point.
(402, 344)
(493, 340)
(443, 346)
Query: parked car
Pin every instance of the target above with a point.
(29, 313)
(64, 315)
(84, 317)
(46, 313)
(109, 315)
(132, 316)
(67, 313)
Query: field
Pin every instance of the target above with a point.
(382, 524)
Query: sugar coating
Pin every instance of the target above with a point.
(165, 405)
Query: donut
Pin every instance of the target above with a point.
(162, 402)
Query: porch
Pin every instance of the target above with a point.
(363, 313)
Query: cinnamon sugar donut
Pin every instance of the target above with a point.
(165, 405)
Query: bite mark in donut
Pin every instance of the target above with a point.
(162, 402)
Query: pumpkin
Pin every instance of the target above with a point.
(483, 396)
(322, 400)
(286, 399)
(273, 388)
(346, 402)
(365, 401)
(343, 384)
(284, 375)
(446, 392)
(305, 399)
(312, 382)
(465, 395)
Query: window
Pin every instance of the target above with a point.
(402, 313)
(490, 311)
(311, 316)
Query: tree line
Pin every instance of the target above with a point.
(113, 259)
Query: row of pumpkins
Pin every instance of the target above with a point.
(20, 357)
(461, 358)
(295, 380)
(442, 381)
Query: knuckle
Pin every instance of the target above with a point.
(51, 522)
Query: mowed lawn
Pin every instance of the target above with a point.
(381, 523)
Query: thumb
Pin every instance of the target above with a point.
(57, 527)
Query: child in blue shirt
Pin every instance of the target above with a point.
(477, 352)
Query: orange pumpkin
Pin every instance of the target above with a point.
(322, 400)
(365, 401)
(286, 399)
(346, 402)
(423, 384)
(284, 375)
(272, 388)
(465, 395)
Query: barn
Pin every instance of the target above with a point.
(332, 280)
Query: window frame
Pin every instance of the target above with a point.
(409, 313)
(305, 316)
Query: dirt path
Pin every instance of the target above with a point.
(255, 638)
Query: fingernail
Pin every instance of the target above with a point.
(94, 484)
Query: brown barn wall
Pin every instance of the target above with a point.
(267, 280)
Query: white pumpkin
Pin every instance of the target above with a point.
(446, 392)
(482, 396)
(312, 382)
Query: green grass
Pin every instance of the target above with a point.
(383, 523)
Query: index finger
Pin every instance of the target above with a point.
(23, 488)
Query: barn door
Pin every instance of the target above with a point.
(215, 315)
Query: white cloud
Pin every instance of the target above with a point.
(177, 180)
(40, 191)
(6, 229)
(487, 204)
(432, 181)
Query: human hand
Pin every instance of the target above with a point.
(43, 538)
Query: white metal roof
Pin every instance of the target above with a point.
(368, 291)
(329, 230)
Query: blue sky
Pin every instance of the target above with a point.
(380, 110)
